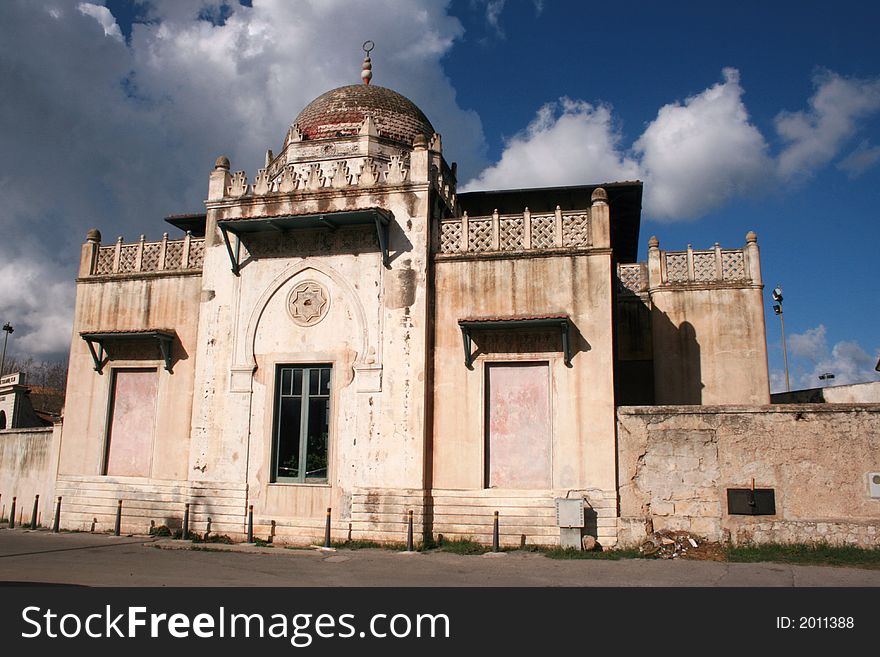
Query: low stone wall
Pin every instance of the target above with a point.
(677, 462)
(28, 461)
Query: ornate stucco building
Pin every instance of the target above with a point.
(346, 331)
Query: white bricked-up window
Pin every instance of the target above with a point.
(518, 432)
(302, 423)
(132, 423)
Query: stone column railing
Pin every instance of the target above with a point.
(141, 256)
(700, 267)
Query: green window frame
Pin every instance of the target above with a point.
(301, 445)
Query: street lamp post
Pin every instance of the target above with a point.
(7, 328)
(777, 308)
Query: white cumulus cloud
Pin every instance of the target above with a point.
(103, 16)
(693, 157)
(811, 356)
(116, 135)
(568, 143)
(697, 154)
(860, 160)
(813, 137)
(811, 344)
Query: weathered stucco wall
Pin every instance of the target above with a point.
(132, 303)
(709, 346)
(28, 461)
(676, 464)
(582, 395)
(581, 441)
(373, 333)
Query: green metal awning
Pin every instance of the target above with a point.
(560, 323)
(165, 340)
(377, 217)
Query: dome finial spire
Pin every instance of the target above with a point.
(367, 72)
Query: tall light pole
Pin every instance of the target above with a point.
(7, 328)
(777, 308)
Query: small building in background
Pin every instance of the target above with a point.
(23, 406)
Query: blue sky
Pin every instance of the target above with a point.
(753, 116)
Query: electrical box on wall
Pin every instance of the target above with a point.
(570, 519)
(874, 484)
(569, 513)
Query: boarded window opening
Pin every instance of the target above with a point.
(518, 428)
(132, 422)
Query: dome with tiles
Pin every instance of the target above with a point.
(341, 112)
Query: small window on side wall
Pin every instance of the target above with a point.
(302, 423)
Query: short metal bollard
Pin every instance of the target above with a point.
(272, 533)
(327, 529)
(409, 531)
(495, 546)
(186, 522)
(12, 514)
(56, 526)
(250, 531)
(118, 527)
(208, 528)
(34, 514)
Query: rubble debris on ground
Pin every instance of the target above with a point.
(667, 544)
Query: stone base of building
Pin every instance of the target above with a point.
(524, 517)
(382, 515)
(90, 504)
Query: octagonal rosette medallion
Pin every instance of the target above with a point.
(308, 303)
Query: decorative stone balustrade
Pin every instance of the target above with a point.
(515, 232)
(692, 268)
(714, 265)
(351, 173)
(143, 257)
(632, 277)
(443, 180)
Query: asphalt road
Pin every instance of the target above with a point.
(102, 560)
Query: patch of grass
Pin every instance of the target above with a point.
(217, 538)
(161, 530)
(462, 546)
(574, 553)
(191, 536)
(358, 544)
(362, 544)
(259, 542)
(813, 554)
